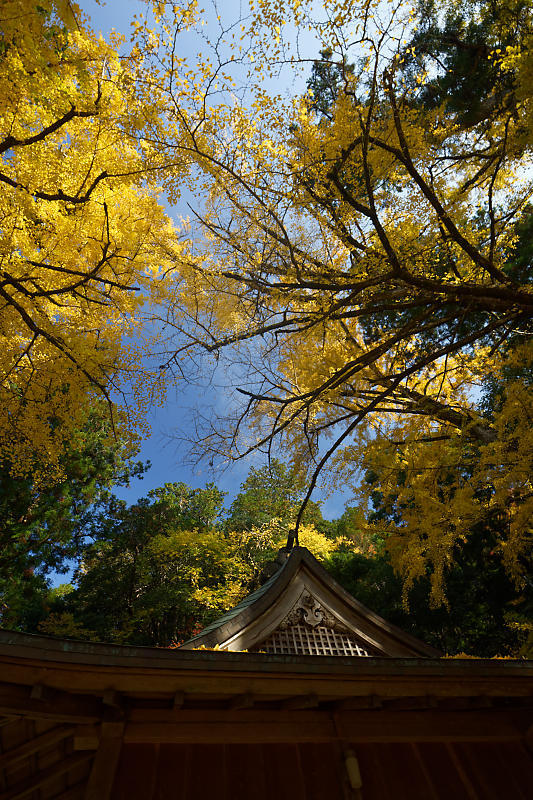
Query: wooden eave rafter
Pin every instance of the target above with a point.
(81, 681)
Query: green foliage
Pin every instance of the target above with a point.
(484, 616)
(158, 570)
(44, 522)
(161, 569)
(456, 43)
(155, 570)
(272, 492)
(327, 78)
(352, 526)
(23, 600)
(44, 525)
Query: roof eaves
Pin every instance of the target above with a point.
(256, 603)
(412, 641)
(237, 618)
(249, 608)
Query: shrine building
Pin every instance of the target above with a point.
(298, 693)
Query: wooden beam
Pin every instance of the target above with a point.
(300, 701)
(112, 698)
(86, 737)
(411, 703)
(72, 793)
(352, 703)
(482, 701)
(263, 726)
(528, 738)
(58, 706)
(246, 700)
(7, 721)
(434, 726)
(168, 672)
(39, 692)
(34, 782)
(100, 784)
(34, 745)
(230, 732)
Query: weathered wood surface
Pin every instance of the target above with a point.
(286, 754)
(27, 786)
(243, 726)
(267, 687)
(35, 744)
(57, 705)
(394, 771)
(105, 762)
(101, 660)
(248, 725)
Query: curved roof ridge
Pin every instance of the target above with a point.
(247, 601)
(263, 598)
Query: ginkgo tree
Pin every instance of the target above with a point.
(364, 260)
(362, 252)
(84, 242)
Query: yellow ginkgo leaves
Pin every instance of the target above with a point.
(84, 241)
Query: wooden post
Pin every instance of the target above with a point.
(105, 762)
(528, 738)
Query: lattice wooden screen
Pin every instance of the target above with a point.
(317, 641)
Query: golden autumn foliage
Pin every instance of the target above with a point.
(360, 257)
(364, 261)
(84, 242)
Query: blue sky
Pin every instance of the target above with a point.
(167, 455)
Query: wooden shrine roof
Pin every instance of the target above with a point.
(85, 721)
(260, 614)
(34, 669)
(91, 721)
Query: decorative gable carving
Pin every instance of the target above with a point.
(309, 611)
(311, 629)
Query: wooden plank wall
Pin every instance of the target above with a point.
(396, 771)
